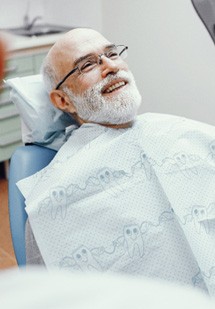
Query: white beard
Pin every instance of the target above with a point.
(121, 108)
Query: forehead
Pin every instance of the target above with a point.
(83, 42)
(75, 44)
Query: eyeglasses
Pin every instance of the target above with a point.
(87, 63)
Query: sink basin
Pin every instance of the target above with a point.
(39, 30)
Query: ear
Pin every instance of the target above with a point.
(62, 101)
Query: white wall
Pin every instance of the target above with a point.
(170, 53)
(12, 11)
(63, 12)
(80, 13)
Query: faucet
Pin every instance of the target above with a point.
(27, 24)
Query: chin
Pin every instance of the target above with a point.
(119, 108)
(121, 119)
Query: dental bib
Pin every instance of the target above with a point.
(138, 201)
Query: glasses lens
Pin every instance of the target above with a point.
(113, 53)
(122, 51)
(116, 52)
(87, 64)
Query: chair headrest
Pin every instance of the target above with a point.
(42, 123)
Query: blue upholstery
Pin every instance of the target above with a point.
(25, 161)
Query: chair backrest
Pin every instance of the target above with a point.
(25, 161)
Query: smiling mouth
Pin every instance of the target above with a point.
(114, 87)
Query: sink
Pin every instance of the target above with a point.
(39, 30)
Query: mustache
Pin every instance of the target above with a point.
(125, 75)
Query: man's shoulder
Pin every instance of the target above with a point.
(165, 123)
(169, 118)
(158, 120)
(159, 117)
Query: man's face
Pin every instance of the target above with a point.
(119, 108)
(104, 94)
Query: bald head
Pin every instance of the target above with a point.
(72, 41)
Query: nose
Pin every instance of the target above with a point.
(108, 66)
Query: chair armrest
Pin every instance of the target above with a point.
(25, 161)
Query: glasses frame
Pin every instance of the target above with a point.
(77, 68)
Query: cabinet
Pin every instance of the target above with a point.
(20, 64)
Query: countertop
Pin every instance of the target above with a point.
(16, 43)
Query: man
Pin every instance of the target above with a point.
(124, 194)
(100, 88)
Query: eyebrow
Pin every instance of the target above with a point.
(77, 61)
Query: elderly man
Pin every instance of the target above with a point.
(99, 88)
(124, 194)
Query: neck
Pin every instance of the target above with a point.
(118, 126)
(114, 126)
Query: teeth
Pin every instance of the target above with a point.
(113, 87)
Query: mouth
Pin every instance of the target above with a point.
(114, 86)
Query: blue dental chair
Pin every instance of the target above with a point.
(41, 124)
(25, 161)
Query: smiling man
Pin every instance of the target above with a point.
(125, 193)
(91, 80)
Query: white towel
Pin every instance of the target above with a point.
(139, 201)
